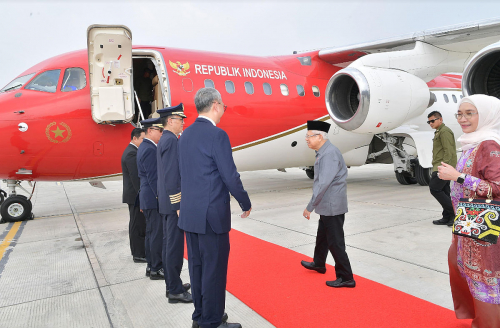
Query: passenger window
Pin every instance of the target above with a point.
(267, 89)
(446, 98)
(315, 91)
(249, 88)
(187, 84)
(284, 89)
(73, 79)
(454, 98)
(46, 81)
(300, 90)
(229, 86)
(209, 84)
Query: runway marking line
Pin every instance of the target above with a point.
(9, 238)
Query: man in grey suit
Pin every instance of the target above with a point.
(329, 200)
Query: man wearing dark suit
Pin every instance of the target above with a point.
(148, 196)
(131, 185)
(208, 175)
(329, 200)
(169, 200)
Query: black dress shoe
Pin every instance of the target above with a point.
(312, 266)
(140, 259)
(441, 221)
(148, 271)
(450, 222)
(229, 325)
(180, 298)
(157, 275)
(186, 286)
(341, 283)
(196, 325)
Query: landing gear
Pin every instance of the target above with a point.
(3, 195)
(405, 178)
(423, 174)
(15, 207)
(310, 172)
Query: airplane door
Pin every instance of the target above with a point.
(110, 73)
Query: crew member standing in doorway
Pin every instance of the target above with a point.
(443, 150)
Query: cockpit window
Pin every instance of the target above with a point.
(73, 79)
(17, 83)
(46, 81)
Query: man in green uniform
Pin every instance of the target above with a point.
(443, 150)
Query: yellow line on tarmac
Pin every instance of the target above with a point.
(8, 239)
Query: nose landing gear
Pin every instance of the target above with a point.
(15, 207)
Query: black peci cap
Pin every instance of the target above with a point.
(318, 126)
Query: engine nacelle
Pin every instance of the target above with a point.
(374, 100)
(482, 73)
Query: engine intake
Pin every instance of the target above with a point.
(482, 74)
(374, 100)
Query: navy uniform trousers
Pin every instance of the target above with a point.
(173, 253)
(154, 238)
(208, 254)
(330, 236)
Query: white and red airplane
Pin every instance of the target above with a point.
(70, 117)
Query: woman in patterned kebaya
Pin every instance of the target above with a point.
(475, 265)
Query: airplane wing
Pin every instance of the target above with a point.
(465, 38)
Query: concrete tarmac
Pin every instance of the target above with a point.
(71, 266)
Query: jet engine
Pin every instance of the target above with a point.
(482, 73)
(374, 100)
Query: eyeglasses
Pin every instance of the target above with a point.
(178, 118)
(158, 129)
(432, 121)
(311, 135)
(224, 106)
(466, 115)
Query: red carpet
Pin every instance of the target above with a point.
(270, 280)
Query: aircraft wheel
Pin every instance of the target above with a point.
(423, 175)
(404, 179)
(310, 173)
(16, 208)
(3, 195)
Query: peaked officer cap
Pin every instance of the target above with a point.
(318, 126)
(174, 110)
(151, 122)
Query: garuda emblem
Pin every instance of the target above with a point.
(181, 69)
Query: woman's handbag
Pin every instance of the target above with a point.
(478, 219)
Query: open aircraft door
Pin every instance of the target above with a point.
(110, 73)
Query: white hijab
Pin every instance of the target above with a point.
(488, 127)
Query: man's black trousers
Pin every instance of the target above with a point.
(173, 252)
(137, 231)
(330, 236)
(208, 255)
(154, 238)
(440, 189)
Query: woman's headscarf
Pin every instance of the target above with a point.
(488, 127)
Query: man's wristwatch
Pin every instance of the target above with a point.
(461, 178)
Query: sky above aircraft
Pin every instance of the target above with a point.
(35, 31)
